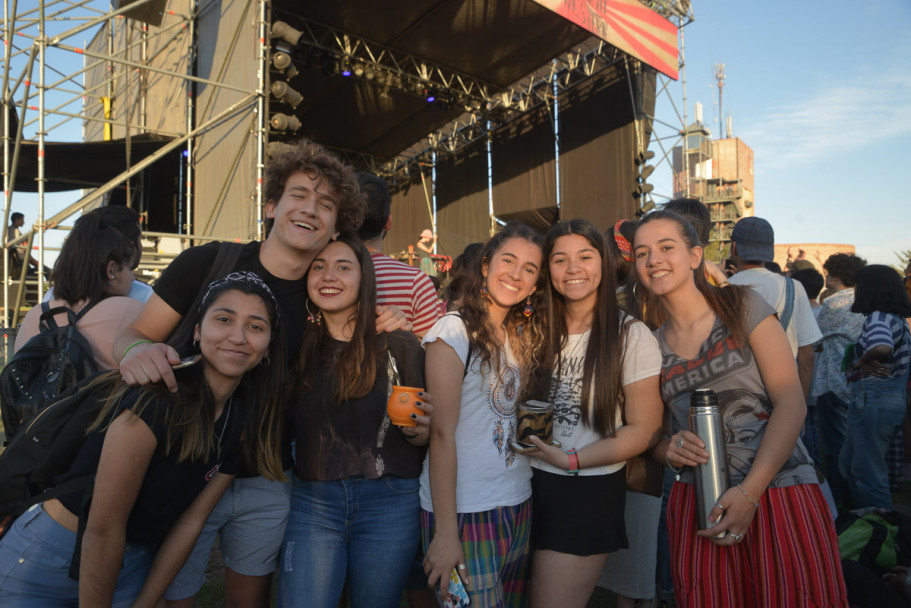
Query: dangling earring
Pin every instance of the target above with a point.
(484, 288)
(528, 309)
(265, 361)
(314, 318)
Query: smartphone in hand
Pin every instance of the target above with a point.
(458, 595)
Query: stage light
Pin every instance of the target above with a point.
(286, 94)
(642, 173)
(284, 122)
(358, 70)
(430, 95)
(346, 67)
(281, 61)
(282, 30)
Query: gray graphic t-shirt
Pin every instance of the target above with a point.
(745, 405)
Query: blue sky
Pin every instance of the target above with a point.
(822, 94)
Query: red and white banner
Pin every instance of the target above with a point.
(626, 24)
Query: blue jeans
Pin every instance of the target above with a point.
(832, 418)
(362, 530)
(874, 416)
(35, 557)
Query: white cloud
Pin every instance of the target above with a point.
(856, 111)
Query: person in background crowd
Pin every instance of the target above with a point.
(459, 276)
(20, 252)
(125, 220)
(840, 327)
(475, 488)
(601, 374)
(397, 283)
(773, 541)
(878, 377)
(426, 242)
(812, 283)
(354, 509)
(94, 272)
(160, 461)
(752, 247)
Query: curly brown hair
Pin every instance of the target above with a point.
(844, 267)
(324, 167)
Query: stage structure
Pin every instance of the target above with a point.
(476, 111)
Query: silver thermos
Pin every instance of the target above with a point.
(711, 478)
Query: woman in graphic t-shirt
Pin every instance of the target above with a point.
(475, 489)
(772, 542)
(600, 363)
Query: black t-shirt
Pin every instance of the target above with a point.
(181, 281)
(169, 487)
(337, 440)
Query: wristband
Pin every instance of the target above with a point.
(136, 343)
(755, 503)
(573, 462)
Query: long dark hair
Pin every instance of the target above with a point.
(727, 303)
(527, 334)
(356, 361)
(189, 414)
(879, 288)
(604, 353)
(80, 272)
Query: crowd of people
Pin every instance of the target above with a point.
(247, 400)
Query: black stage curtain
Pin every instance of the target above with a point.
(597, 148)
(409, 215)
(524, 177)
(463, 214)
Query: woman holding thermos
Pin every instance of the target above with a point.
(770, 540)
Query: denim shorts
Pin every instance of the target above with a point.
(251, 518)
(35, 558)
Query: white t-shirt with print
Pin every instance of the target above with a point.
(490, 473)
(641, 359)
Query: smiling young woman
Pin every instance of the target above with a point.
(354, 507)
(475, 488)
(773, 541)
(599, 363)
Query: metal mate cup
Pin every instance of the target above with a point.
(535, 418)
(711, 479)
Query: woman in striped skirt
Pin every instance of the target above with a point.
(772, 541)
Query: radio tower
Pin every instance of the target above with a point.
(719, 77)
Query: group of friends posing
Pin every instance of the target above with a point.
(278, 438)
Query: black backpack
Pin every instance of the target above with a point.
(49, 363)
(46, 447)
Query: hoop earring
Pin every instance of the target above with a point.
(314, 318)
(528, 308)
(636, 295)
(195, 343)
(484, 289)
(265, 361)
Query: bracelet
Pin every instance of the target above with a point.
(676, 470)
(136, 343)
(573, 462)
(747, 496)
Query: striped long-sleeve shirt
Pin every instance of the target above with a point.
(408, 288)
